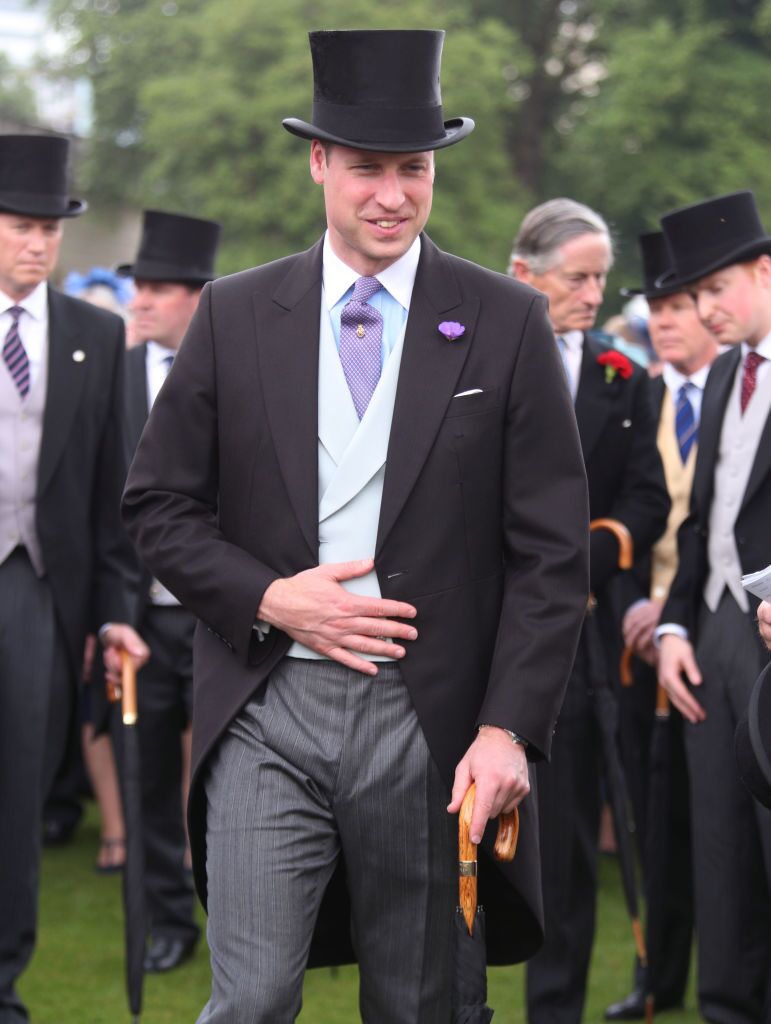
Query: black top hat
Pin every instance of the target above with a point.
(713, 234)
(175, 248)
(379, 90)
(753, 741)
(656, 261)
(33, 177)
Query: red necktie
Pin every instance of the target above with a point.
(749, 378)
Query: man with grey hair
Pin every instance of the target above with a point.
(564, 249)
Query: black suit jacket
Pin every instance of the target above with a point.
(81, 470)
(753, 523)
(483, 523)
(618, 424)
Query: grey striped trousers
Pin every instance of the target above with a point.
(324, 763)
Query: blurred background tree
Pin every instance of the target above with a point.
(634, 106)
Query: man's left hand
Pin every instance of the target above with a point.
(498, 766)
(764, 622)
(119, 637)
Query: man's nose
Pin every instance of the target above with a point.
(390, 194)
(594, 291)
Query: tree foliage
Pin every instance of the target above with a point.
(633, 106)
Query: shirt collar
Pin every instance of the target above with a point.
(674, 380)
(574, 340)
(763, 348)
(398, 279)
(158, 354)
(36, 303)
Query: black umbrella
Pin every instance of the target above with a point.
(469, 989)
(133, 872)
(606, 713)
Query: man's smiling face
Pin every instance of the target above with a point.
(376, 203)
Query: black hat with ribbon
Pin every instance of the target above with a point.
(655, 262)
(175, 247)
(33, 177)
(710, 235)
(753, 741)
(379, 90)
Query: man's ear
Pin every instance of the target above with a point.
(521, 270)
(318, 162)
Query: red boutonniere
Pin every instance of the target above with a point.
(615, 362)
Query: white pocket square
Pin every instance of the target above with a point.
(471, 391)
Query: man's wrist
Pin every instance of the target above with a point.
(515, 737)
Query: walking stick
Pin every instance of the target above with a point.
(607, 719)
(469, 981)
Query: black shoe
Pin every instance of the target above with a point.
(165, 953)
(633, 1007)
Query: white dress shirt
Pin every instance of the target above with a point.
(572, 355)
(157, 367)
(33, 326)
(674, 380)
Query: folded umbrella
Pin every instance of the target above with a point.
(469, 994)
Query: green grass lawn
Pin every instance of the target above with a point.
(76, 976)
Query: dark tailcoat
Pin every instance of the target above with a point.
(617, 426)
(81, 470)
(483, 522)
(752, 530)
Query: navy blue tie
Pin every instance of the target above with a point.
(686, 426)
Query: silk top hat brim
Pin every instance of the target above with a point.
(379, 91)
(655, 262)
(706, 237)
(175, 247)
(33, 177)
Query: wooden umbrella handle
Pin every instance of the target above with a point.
(128, 690)
(622, 535)
(505, 848)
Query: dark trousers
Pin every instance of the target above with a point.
(569, 810)
(731, 831)
(164, 694)
(35, 707)
(669, 944)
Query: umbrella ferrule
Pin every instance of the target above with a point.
(467, 868)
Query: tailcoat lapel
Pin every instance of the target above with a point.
(288, 350)
(430, 368)
(716, 394)
(594, 397)
(137, 409)
(66, 378)
(761, 467)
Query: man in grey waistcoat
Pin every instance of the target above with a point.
(711, 653)
(363, 475)
(63, 554)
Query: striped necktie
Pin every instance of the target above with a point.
(15, 355)
(749, 378)
(686, 426)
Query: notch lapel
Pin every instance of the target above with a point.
(287, 329)
(137, 409)
(716, 394)
(430, 368)
(66, 379)
(594, 397)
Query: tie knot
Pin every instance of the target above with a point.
(752, 361)
(167, 361)
(365, 288)
(16, 312)
(684, 389)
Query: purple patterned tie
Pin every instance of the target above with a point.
(15, 355)
(361, 335)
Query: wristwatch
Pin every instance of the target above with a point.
(515, 737)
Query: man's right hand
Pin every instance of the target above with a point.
(676, 658)
(314, 609)
(764, 622)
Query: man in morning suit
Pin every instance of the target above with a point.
(363, 476)
(686, 350)
(62, 549)
(175, 260)
(563, 248)
(710, 650)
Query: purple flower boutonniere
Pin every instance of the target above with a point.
(451, 330)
